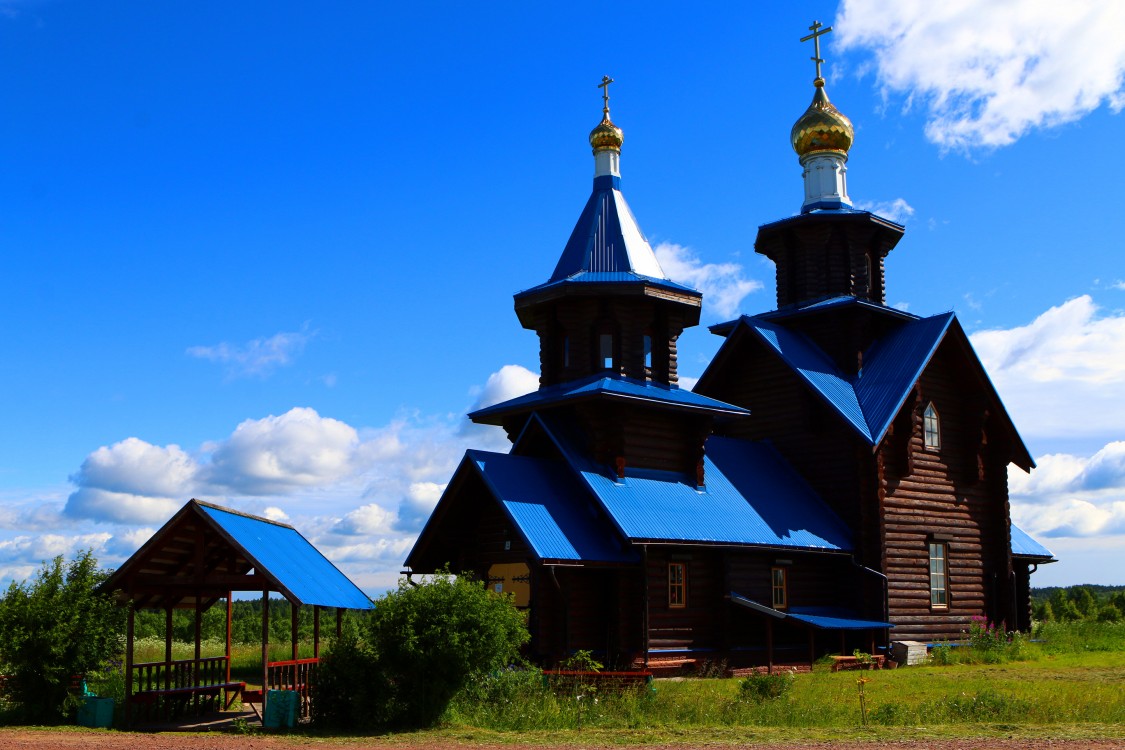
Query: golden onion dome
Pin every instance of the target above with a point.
(606, 136)
(822, 127)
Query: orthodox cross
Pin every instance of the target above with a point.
(816, 34)
(604, 86)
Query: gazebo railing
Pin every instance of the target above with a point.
(293, 674)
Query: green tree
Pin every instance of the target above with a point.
(421, 645)
(54, 627)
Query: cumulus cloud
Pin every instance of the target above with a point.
(366, 520)
(276, 455)
(510, 381)
(989, 72)
(898, 210)
(359, 494)
(420, 500)
(723, 284)
(1072, 496)
(258, 357)
(1063, 374)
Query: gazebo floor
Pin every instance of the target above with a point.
(216, 721)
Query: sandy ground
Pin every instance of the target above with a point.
(97, 740)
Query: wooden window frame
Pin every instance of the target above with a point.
(927, 419)
(935, 588)
(783, 588)
(677, 585)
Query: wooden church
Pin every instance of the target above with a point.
(836, 480)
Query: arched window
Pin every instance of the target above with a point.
(931, 427)
(648, 352)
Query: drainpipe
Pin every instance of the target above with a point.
(886, 598)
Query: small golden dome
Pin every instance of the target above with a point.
(822, 127)
(606, 136)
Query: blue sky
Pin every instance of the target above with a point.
(263, 254)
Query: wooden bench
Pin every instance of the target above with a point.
(612, 682)
(840, 663)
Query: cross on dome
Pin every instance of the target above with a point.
(604, 86)
(816, 34)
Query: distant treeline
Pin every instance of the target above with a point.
(1072, 603)
(246, 622)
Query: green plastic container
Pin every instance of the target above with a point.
(96, 712)
(281, 709)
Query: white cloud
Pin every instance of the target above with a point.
(510, 381)
(97, 504)
(366, 520)
(420, 500)
(360, 495)
(48, 546)
(275, 455)
(133, 466)
(722, 284)
(275, 513)
(988, 72)
(898, 210)
(1072, 496)
(1062, 375)
(258, 357)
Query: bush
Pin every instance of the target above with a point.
(420, 646)
(55, 627)
(766, 687)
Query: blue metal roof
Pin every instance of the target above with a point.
(1024, 546)
(606, 386)
(868, 401)
(606, 237)
(813, 366)
(811, 307)
(751, 496)
(893, 365)
(819, 621)
(610, 277)
(549, 507)
(278, 551)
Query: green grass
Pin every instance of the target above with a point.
(1070, 689)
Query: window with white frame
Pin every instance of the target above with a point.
(939, 575)
(931, 427)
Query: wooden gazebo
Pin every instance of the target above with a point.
(199, 558)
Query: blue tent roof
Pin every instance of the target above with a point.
(614, 387)
(280, 552)
(606, 237)
(1024, 546)
(549, 507)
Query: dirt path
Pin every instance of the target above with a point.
(33, 739)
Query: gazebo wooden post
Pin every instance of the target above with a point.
(230, 621)
(129, 629)
(316, 631)
(195, 676)
(167, 655)
(265, 647)
(812, 646)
